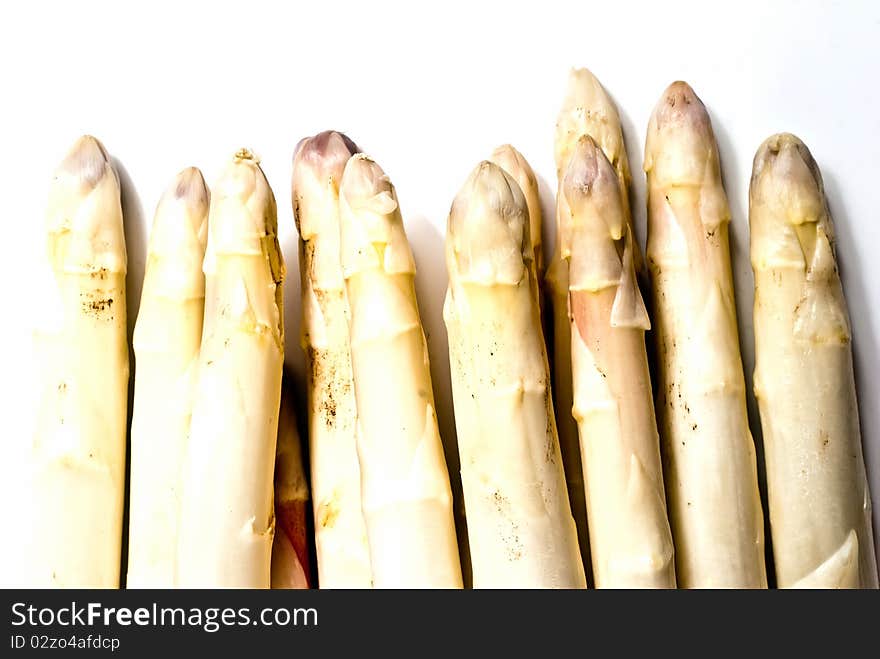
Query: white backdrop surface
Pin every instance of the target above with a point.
(428, 90)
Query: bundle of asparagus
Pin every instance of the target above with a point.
(77, 471)
(226, 519)
(166, 345)
(340, 533)
(820, 508)
(630, 540)
(711, 477)
(521, 531)
(214, 420)
(407, 501)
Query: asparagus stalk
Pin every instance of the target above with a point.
(407, 501)
(586, 110)
(630, 540)
(711, 477)
(820, 507)
(520, 530)
(340, 532)
(290, 553)
(513, 162)
(166, 344)
(78, 446)
(227, 521)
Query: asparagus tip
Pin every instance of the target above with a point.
(680, 146)
(785, 174)
(679, 104)
(588, 109)
(581, 81)
(587, 166)
(590, 178)
(244, 178)
(247, 155)
(780, 149)
(190, 188)
(488, 227)
(504, 151)
(327, 152)
(332, 140)
(87, 160)
(491, 192)
(513, 162)
(584, 94)
(493, 181)
(365, 184)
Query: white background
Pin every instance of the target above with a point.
(428, 90)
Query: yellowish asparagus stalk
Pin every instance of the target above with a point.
(227, 521)
(586, 110)
(711, 477)
(630, 540)
(407, 501)
(820, 507)
(520, 529)
(290, 548)
(340, 532)
(78, 446)
(513, 162)
(166, 345)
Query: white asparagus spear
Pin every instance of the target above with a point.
(630, 540)
(290, 548)
(166, 342)
(513, 162)
(820, 507)
(407, 500)
(340, 533)
(520, 529)
(586, 110)
(710, 473)
(78, 446)
(227, 520)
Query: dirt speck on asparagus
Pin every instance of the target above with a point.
(510, 529)
(321, 370)
(330, 387)
(328, 513)
(97, 305)
(330, 380)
